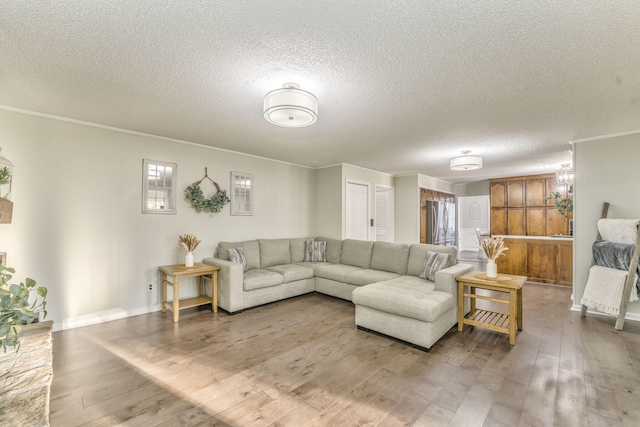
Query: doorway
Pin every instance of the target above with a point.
(357, 210)
(384, 218)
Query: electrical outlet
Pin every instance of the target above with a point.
(150, 287)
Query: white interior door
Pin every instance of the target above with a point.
(357, 211)
(384, 218)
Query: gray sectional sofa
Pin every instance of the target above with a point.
(380, 278)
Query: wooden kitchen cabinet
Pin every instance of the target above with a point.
(556, 223)
(516, 221)
(541, 260)
(515, 194)
(498, 221)
(536, 218)
(535, 192)
(497, 191)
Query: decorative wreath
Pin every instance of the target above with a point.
(215, 203)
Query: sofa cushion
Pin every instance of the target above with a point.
(334, 249)
(356, 253)
(434, 262)
(391, 257)
(238, 256)
(274, 252)
(367, 276)
(257, 279)
(315, 251)
(297, 247)
(292, 272)
(418, 255)
(405, 298)
(251, 250)
(337, 272)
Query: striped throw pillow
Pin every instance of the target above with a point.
(315, 251)
(435, 261)
(238, 255)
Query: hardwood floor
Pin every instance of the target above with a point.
(302, 362)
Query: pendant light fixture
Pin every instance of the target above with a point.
(290, 106)
(565, 175)
(465, 162)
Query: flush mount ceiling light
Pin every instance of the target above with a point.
(290, 106)
(466, 163)
(565, 175)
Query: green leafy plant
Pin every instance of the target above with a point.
(564, 206)
(15, 310)
(5, 176)
(215, 203)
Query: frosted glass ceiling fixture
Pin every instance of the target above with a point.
(466, 163)
(565, 175)
(290, 106)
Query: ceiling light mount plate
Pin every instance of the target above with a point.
(290, 106)
(466, 162)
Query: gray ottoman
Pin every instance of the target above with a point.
(407, 308)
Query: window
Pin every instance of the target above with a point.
(241, 193)
(159, 181)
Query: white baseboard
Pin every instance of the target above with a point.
(629, 316)
(101, 317)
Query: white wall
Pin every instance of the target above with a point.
(329, 200)
(407, 212)
(77, 223)
(606, 171)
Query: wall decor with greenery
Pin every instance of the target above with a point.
(200, 203)
(15, 310)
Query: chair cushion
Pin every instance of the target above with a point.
(257, 279)
(356, 253)
(274, 252)
(391, 257)
(406, 298)
(292, 272)
(367, 276)
(337, 272)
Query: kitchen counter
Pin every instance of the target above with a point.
(544, 259)
(560, 237)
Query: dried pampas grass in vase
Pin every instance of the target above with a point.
(493, 248)
(189, 242)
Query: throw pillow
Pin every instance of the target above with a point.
(315, 251)
(238, 255)
(435, 261)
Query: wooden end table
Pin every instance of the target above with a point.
(204, 272)
(499, 322)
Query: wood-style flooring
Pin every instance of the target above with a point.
(302, 362)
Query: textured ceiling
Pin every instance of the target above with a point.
(403, 86)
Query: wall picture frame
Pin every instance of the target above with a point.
(242, 193)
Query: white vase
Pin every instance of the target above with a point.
(492, 269)
(188, 260)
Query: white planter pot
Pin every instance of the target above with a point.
(492, 269)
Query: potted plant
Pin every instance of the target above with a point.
(564, 206)
(493, 248)
(15, 310)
